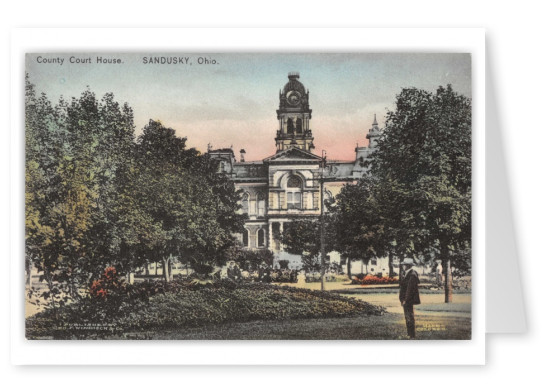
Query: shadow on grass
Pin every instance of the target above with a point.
(384, 327)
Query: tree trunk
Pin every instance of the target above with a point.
(349, 267)
(390, 265)
(446, 264)
(166, 273)
(322, 272)
(28, 279)
(322, 237)
(156, 264)
(50, 282)
(147, 269)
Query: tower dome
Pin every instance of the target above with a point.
(294, 96)
(294, 116)
(293, 84)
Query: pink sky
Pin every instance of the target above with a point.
(233, 102)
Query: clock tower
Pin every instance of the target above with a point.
(294, 116)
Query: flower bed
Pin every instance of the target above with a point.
(373, 280)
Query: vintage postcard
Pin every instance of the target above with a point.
(248, 196)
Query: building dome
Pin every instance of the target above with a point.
(294, 84)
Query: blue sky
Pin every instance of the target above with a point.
(233, 102)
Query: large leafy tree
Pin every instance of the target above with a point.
(44, 152)
(423, 167)
(360, 230)
(191, 209)
(76, 155)
(96, 197)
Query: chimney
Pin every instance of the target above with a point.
(242, 152)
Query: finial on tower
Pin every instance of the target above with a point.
(294, 75)
(375, 119)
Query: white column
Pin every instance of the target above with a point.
(270, 243)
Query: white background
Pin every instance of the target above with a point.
(518, 53)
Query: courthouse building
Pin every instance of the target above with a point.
(287, 185)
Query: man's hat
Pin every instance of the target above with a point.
(408, 262)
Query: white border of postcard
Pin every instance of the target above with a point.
(23, 352)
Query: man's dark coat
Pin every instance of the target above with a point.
(409, 288)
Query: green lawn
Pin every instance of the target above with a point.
(389, 326)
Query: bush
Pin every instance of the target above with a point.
(187, 303)
(284, 275)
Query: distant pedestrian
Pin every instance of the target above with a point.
(230, 272)
(260, 274)
(294, 276)
(409, 295)
(236, 273)
(267, 276)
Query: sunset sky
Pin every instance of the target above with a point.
(232, 102)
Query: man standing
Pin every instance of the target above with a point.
(409, 295)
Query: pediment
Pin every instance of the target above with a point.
(293, 154)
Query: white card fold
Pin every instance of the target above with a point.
(505, 311)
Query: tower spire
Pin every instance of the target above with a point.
(373, 134)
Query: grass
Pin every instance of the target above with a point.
(386, 327)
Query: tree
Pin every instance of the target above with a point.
(43, 151)
(423, 167)
(359, 225)
(76, 154)
(192, 208)
(302, 237)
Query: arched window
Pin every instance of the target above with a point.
(294, 181)
(290, 126)
(261, 203)
(245, 238)
(261, 238)
(245, 203)
(299, 125)
(294, 192)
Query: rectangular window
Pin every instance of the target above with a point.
(294, 200)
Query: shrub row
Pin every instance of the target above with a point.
(182, 304)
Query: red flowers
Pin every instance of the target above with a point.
(107, 283)
(374, 280)
(110, 273)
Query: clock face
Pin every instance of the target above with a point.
(293, 98)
